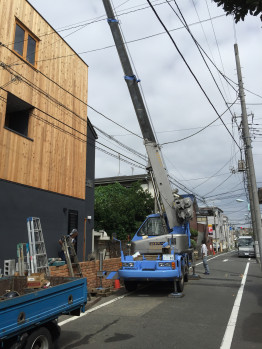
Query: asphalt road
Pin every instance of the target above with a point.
(220, 310)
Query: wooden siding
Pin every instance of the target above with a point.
(53, 157)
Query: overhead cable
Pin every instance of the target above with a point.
(189, 68)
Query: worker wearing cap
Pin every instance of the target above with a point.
(71, 236)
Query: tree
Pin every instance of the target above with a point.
(240, 8)
(121, 210)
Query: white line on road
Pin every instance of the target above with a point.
(228, 336)
(218, 255)
(91, 310)
(225, 260)
(105, 304)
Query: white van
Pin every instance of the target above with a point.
(246, 246)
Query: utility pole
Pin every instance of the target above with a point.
(214, 213)
(252, 188)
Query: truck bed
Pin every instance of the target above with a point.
(36, 306)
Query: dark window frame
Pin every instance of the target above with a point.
(18, 115)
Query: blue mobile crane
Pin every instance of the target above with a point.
(161, 248)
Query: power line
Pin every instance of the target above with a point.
(216, 172)
(202, 129)
(183, 58)
(198, 47)
(142, 156)
(14, 72)
(134, 162)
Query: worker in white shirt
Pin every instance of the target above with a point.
(204, 257)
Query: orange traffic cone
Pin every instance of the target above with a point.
(117, 284)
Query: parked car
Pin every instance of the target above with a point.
(246, 246)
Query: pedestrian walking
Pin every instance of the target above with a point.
(204, 257)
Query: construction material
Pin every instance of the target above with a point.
(23, 258)
(36, 280)
(38, 257)
(71, 257)
(26, 314)
(9, 266)
(100, 292)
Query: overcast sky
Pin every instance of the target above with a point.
(207, 162)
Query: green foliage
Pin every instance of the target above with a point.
(193, 232)
(193, 243)
(240, 8)
(121, 210)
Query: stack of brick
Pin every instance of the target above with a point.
(89, 270)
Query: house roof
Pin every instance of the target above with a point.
(55, 31)
(144, 178)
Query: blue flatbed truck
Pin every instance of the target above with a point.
(29, 320)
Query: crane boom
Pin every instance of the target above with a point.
(153, 149)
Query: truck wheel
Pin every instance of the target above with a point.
(130, 285)
(180, 284)
(39, 339)
(186, 277)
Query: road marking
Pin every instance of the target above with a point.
(217, 255)
(92, 309)
(225, 260)
(73, 318)
(228, 336)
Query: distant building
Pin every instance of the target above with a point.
(47, 143)
(214, 218)
(127, 181)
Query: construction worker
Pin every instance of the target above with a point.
(72, 236)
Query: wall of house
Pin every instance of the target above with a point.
(18, 202)
(52, 156)
(51, 170)
(89, 270)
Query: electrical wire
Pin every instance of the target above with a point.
(29, 83)
(202, 129)
(198, 47)
(189, 68)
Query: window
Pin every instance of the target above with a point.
(73, 223)
(17, 114)
(152, 227)
(25, 43)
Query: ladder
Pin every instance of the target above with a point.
(71, 256)
(38, 257)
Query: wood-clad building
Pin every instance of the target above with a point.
(47, 144)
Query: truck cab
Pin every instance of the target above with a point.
(157, 256)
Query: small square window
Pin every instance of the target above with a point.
(17, 115)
